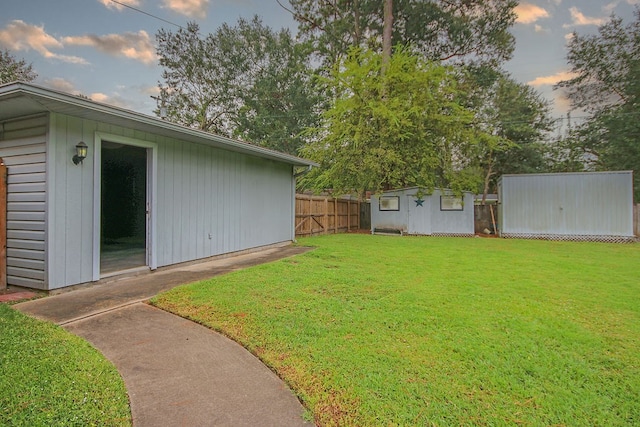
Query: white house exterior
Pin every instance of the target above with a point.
(596, 206)
(405, 211)
(178, 193)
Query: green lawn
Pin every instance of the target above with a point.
(375, 330)
(49, 377)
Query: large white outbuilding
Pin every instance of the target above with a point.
(148, 194)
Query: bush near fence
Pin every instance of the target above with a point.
(326, 215)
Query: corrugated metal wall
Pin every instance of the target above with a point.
(23, 148)
(578, 204)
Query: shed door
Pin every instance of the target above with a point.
(419, 215)
(124, 207)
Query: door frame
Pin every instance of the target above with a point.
(151, 202)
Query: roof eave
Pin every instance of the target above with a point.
(41, 93)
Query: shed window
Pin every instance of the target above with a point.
(389, 203)
(451, 203)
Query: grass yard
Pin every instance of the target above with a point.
(376, 330)
(49, 377)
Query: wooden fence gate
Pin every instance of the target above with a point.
(325, 215)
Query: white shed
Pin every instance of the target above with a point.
(149, 193)
(405, 211)
(596, 206)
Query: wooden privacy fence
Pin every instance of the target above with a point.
(325, 215)
(636, 220)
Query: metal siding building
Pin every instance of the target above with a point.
(428, 218)
(572, 206)
(201, 195)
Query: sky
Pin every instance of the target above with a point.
(106, 51)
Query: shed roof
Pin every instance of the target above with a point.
(26, 99)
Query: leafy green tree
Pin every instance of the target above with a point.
(441, 30)
(12, 70)
(404, 127)
(605, 86)
(246, 81)
(517, 118)
(282, 100)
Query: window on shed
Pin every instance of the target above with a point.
(451, 203)
(389, 203)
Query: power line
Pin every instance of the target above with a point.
(148, 14)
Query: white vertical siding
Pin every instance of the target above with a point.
(452, 222)
(213, 201)
(427, 219)
(23, 149)
(209, 201)
(581, 204)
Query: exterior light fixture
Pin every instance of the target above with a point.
(81, 153)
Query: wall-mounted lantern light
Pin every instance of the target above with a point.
(81, 153)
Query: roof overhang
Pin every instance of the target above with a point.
(25, 99)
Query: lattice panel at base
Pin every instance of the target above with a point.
(571, 238)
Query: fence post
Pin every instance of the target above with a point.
(3, 225)
(335, 215)
(326, 215)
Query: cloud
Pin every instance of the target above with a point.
(136, 46)
(18, 35)
(541, 29)
(528, 13)
(190, 8)
(62, 85)
(579, 19)
(552, 80)
(120, 5)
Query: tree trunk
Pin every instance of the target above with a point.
(487, 180)
(387, 33)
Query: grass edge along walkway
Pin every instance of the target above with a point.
(374, 330)
(52, 377)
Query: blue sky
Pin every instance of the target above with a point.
(106, 51)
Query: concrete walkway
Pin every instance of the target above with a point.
(177, 373)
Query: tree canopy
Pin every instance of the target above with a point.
(12, 69)
(452, 30)
(404, 127)
(607, 71)
(246, 81)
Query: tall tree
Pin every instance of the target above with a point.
(245, 80)
(518, 119)
(605, 86)
(413, 136)
(441, 30)
(12, 69)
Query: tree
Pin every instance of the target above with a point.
(282, 100)
(414, 135)
(607, 71)
(12, 70)
(444, 30)
(245, 80)
(518, 119)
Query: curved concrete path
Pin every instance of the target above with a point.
(177, 372)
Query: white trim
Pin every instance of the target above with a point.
(50, 185)
(152, 174)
